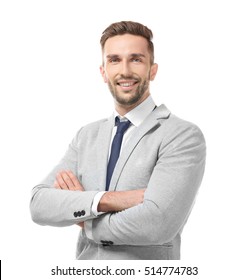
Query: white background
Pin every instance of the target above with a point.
(50, 86)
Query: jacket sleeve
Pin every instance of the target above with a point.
(50, 206)
(168, 200)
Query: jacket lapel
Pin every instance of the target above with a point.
(103, 142)
(151, 122)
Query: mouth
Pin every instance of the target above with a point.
(127, 85)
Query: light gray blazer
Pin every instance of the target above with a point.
(166, 155)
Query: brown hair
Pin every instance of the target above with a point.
(129, 27)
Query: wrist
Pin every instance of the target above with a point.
(95, 204)
(107, 202)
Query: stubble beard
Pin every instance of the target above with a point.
(134, 98)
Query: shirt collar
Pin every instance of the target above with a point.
(139, 113)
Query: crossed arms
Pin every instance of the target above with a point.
(111, 201)
(154, 215)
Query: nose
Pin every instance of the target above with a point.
(125, 68)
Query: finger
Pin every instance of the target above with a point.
(75, 181)
(56, 184)
(69, 183)
(61, 181)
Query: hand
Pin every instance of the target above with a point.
(81, 224)
(66, 180)
(120, 200)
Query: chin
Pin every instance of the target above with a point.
(128, 101)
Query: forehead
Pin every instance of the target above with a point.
(126, 44)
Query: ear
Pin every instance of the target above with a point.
(153, 72)
(103, 74)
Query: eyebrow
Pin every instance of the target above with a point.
(112, 56)
(137, 54)
(131, 55)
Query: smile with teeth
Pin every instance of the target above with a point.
(127, 84)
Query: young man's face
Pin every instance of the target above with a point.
(127, 69)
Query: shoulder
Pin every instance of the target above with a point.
(94, 126)
(180, 126)
(177, 132)
(170, 123)
(89, 131)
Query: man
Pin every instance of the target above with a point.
(130, 180)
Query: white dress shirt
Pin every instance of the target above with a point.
(136, 117)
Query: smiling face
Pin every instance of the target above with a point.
(127, 70)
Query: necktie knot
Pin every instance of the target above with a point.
(122, 126)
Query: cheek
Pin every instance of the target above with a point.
(105, 78)
(109, 76)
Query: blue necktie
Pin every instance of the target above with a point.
(115, 148)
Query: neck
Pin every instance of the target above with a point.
(123, 109)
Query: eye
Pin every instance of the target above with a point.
(136, 59)
(114, 60)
